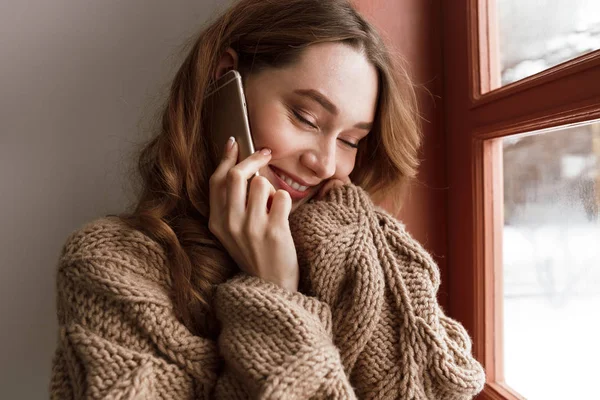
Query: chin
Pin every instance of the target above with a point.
(299, 203)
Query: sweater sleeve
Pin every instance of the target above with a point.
(453, 372)
(441, 345)
(118, 335)
(276, 343)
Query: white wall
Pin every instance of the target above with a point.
(76, 79)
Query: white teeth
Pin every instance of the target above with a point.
(293, 184)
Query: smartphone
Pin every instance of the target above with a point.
(228, 116)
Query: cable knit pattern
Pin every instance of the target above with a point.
(118, 335)
(365, 323)
(395, 341)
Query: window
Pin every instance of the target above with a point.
(550, 261)
(524, 191)
(535, 35)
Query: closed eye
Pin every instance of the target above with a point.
(353, 145)
(304, 121)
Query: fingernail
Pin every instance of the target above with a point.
(265, 151)
(230, 143)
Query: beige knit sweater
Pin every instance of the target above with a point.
(366, 323)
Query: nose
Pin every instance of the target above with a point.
(321, 158)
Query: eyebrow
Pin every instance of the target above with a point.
(328, 105)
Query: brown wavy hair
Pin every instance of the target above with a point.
(176, 164)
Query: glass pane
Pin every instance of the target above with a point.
(535, 35)
(551, 257)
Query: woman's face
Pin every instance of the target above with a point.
(311, 115)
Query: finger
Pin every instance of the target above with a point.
(237, 178)
(327, 187)
(281, 205)
(216, 191)
(258, 196)
(228, 160)
(235, 189)
(249, 166)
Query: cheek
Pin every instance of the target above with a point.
(271, 128)
(345, 164)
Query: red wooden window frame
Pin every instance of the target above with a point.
(476, 110)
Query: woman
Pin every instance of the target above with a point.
(217, 287)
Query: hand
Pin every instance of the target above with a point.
(256, 236)
(330, 184)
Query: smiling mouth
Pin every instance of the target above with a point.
(296, 190)
(291, 183)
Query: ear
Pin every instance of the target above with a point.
(228, 61)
